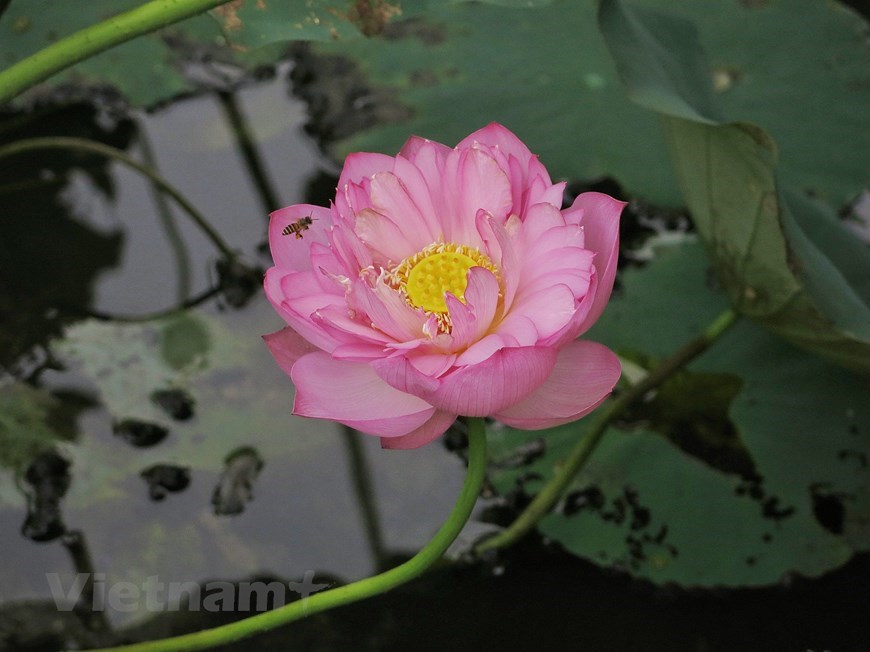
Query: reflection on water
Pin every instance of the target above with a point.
(187, 464)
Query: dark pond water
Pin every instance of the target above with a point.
(165, 449)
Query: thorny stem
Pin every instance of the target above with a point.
(582, 451)
(343, 595)
(94, 39)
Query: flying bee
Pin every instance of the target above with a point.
(297, 227)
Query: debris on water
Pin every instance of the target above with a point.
(48, 475)
(164, 479)
(591, 498)
(238, 282)
(828, 507)
(177, 403)
(140, 434)
(523, 455)
(235, 487)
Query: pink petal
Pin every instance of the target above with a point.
(584, 374)
(287, 346)
(350, 252)
(289, 252)
(484, 348)
(415, 184)
(520, 329)
(352, 394)
(381, 234)
(414, 144)
(541, 191)
(495, 135)
(296, 297)
(429, 160)
(337, 322)
(539, 219)
(327, 269)
(482, 184)
(548, 308)
(503, 253)
(471, 180)
(352, 198)
(474, 318)
(432, 364)
(398, 372)
(599, 215)
(391, 198)
(363, 165)
(358, 351)
(387, 310)
(436, 426)
(505, 378)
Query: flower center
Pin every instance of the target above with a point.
(438, 268)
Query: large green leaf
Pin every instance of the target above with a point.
(645, 506)
(257, 23)
(145, 70)
(759, 238)
(151, 69)
(546, 74)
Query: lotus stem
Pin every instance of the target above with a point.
(366, 588)
(583, 449)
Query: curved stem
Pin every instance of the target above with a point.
(187, 304)
(30, 144)
(360, 590)
(549, 495)
(96, 38)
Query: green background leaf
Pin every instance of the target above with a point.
(802, 421)
(547, 75)
(772, 271)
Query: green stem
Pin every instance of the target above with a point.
(30, 144)
(94, 39)
(360, 590)
(549, 495)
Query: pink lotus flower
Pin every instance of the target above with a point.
(444, 282)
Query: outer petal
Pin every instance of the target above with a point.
(414, 144)
(599, 215)
(585, 373)
(496, 135)
(363, 165)
(503, 379)
(296, 297)
(287, 346)
(437, 424)
(352, 394)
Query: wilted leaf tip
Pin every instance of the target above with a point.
(229, 14)
(371, 16)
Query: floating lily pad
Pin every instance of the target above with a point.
(644, 506)
(146, 70)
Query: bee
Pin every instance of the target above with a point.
(297, 227)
